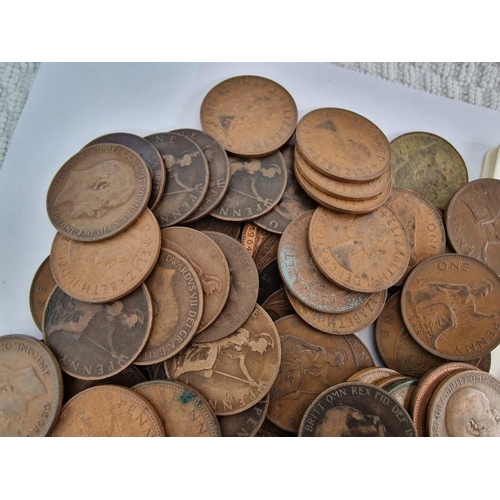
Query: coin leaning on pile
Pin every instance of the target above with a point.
(228, 270)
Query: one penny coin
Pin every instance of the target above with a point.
(372, 374)
(361, 352)
(267, 251)
(209, 223)
(252, 236)
(246, 423)
(277, 305)
(269, 281)
(41, 287)
(249, 115)
(98, 193)
(402, 391)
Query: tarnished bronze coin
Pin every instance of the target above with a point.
(209, 223)
(255, 187)
(293, 203)
(148, 153)
(277, 305)
(98, 193)
(372, 374)
(465, 404)
(41, 287)
(236, 372)
(364, 253)
(252, 236)
(96, 341)
(449, 304)
(473, 221)
(177, 297)
(108, 411)
(268, 429)
(247, 423)
(242, 293)
(354, 409)
(302, 277)
(209, 263)
(31, 389)
(402, 391)
(423, 224)
(184, 412)
(218, 165)
(269, 281)
(188, 177)
(429, 165)
(310, 363)
(343, 145)
(249, 115)
(267, 251)
(362, 354)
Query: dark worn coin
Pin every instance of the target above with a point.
(188, 177)
(277, 305)
(252, 236)
(473, 221)
(98, 193)
(269, 281)
(96, 341)
(218, 165)
(429, 165)
(242, 293)
(184, 412)
(41, 287)
(31, 389)
(372, 374)
(267, 251)
(268, 429)
(209, 223)
(449, 304)
(255, 187)
(249, 115)
(247, 423)
(356, 409)
(361, 353)
(148, 153)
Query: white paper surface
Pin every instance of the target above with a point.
(71, 104)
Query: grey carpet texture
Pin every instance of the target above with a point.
(473, 82)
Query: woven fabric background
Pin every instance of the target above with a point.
(474, 82)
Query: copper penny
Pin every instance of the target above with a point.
(255, 187)
(473, 221)
(242, 293)
(268, 429)
(188, 177)
(465, 404)
(209, 263)
(41, 287)
(252, 236)
(269, 281)
(249, 115)
(184, 412)
(96, 341)
(98, 193)
(177, 297)
(402, 391)
(293, 203)
(218, 165)
(343, 145)
(341, 189)
(425, 389)
(31, 387)
(429, 165)
(106, 270)
(209, 223)
(372, 375)
(267, 251)
(148, 153)
(449, 304)
(236, 372)
(108, 411)
(310, 363)
(247, 423)
(364, 253)
(388, 381)
(277, 305)
(302, 277)
(361, 353)
(356, 409)
(423, 224)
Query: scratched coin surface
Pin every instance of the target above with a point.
(465, 404)
(41, 287)
(256, 186)
(107, 270)
(429, 165)
(236, 372)
(473, 221)
(31, 389)
(310, 363)
(364, 253)
(355, 409)
(302, 277)
(96, 341)
(108, 411)
(184, 412)
(188, 177)
(99, 192)
(343, 145)
(148, 153)
(244, 288)
(218, 166)
(249, 115)
(449, 304)
(246, 423)
(177, 297)
(277, 305)
(209, 263)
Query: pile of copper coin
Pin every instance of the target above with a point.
(212, 282)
